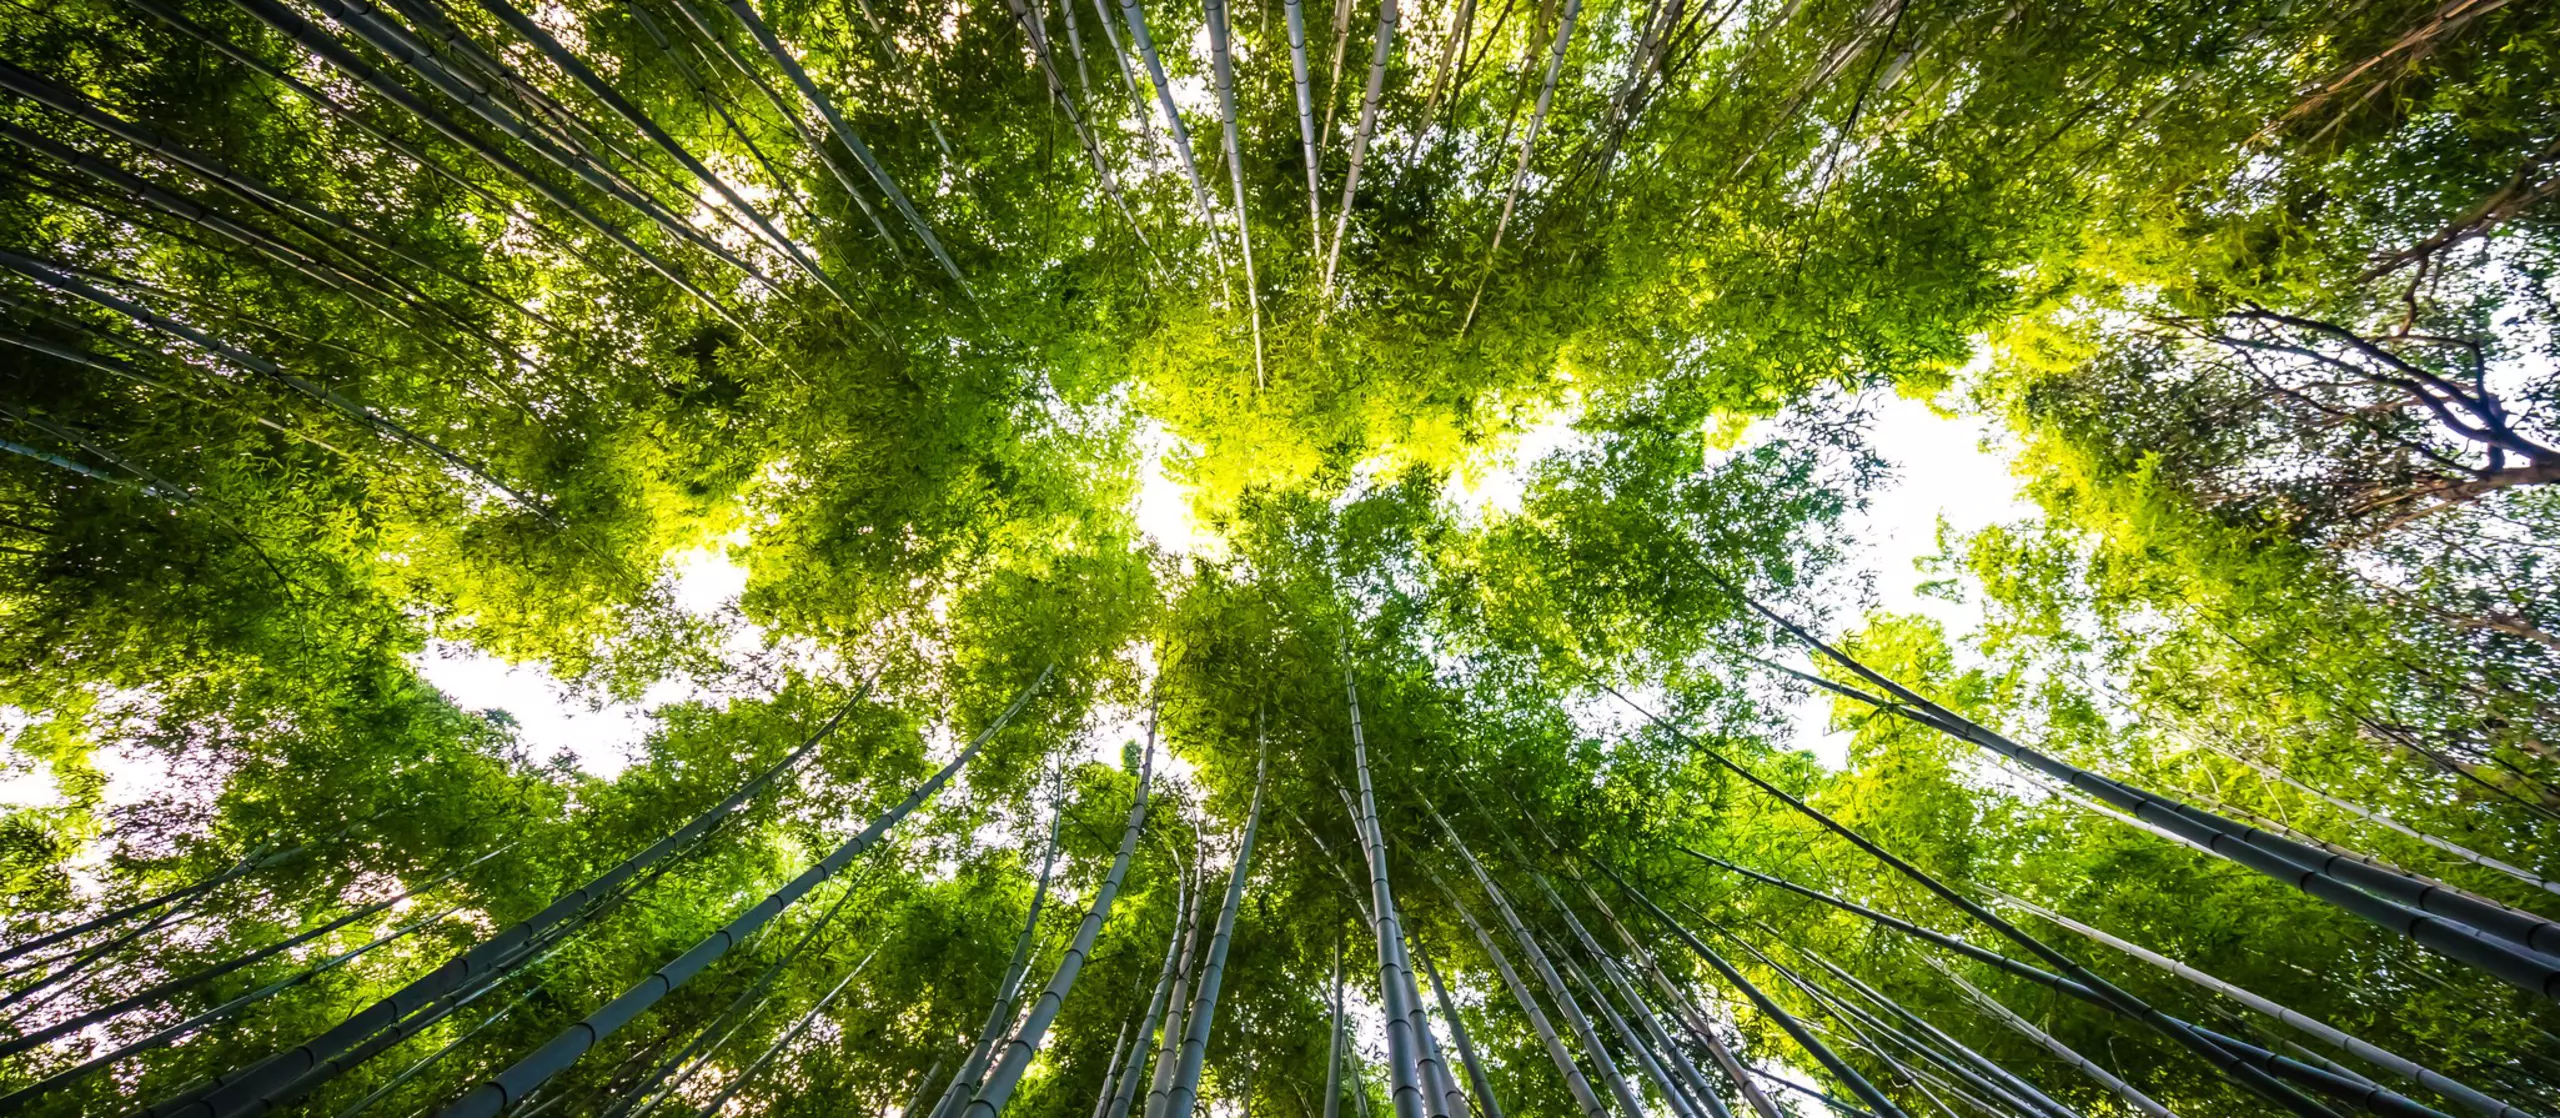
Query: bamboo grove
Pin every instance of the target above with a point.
(1521, 366)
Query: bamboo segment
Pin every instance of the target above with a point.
(1867, 1029)
(1333, 1041)
(1169, 1055)
(791, 69)
(1440, 1085)
(1306, 124)
(1666, 1050)
(784, 110)
(1821, 1052)
(2225, 1051)
(1177, 137)
(15, 1100)
(1025, 1044)
(1635, 1044)
(2036, 1100)
(794, 1033)
(1661, 18)
(161, 991)
(603, 91)
(1222, 66)
(964, 1085)
(417, 158)
(2027, 1029)
(1538, 962)
(1574, 1080)
(389, 38)
(1528, 145)
(1458, 1032)
(1699, 1087)
(2395, 826)
(2247, 1073)
(1034, 29)
(1204, 1004)
(309, 37)
(56, 279)
(1403, 1051)
(1360, 138)
(678, 1070)
(2506, 943)
(1111, 1071)
(519, 1080)
(1125, 1089)
(2470, 1098)
(230, 179)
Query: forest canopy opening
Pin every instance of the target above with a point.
(1442, 558)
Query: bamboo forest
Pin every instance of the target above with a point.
(1273, 559)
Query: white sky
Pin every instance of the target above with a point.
(1941, 469)
(1163, 509)
(553, 717)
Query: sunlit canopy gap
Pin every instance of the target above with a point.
(1395, 558)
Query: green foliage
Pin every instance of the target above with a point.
(344, 336)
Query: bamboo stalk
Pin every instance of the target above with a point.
(1360, 137)
(1635, 1043)
(1222, 67)
(303, 34)
(1691, 1020)
(230, 179)
(2064, 1052)
(257, 1089)
(789, 1036)
(1867, 1028)
(2388, 823)
(2470, 1098)
(1403, 1051)
(2036, 1100)
(791, 69)
(14, 1100)
(1546, 971)
(520, 1079)
(678, 1070)
(1204, 1004)
(2186, 1035)
(789, 115)
(416, 157)
(162, 991)
(964, 1083)
(1177, 137)
(1666, 1050)
(1822, 1053)
(991, 1099)
(1125, 1088)
(1306, 124)
(1169, 1055)
(1333, 1040)
(1636, 1046)
(2226, 1050)
(1458, 1032)
(389, 38)
(55, 279)
(1528, 145)
(2506, 943)
(1030, 19)
(603, 91)
(1574, 1081)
